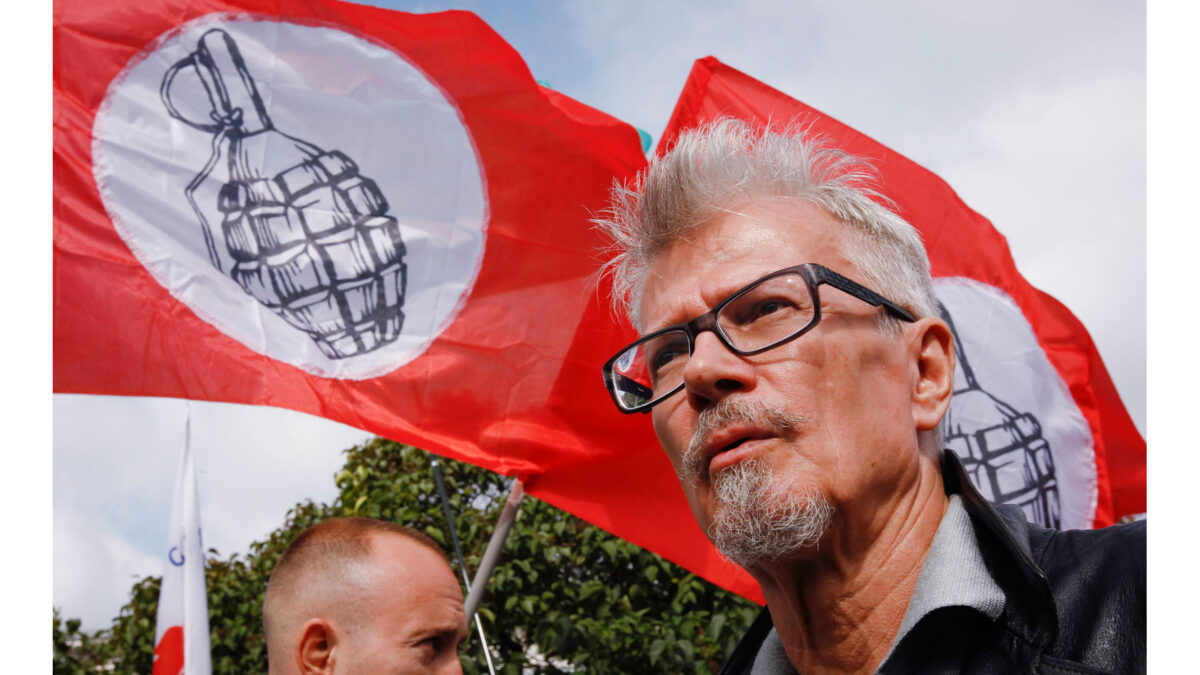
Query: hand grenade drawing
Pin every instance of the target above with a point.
(1002, 450)
(309, 236)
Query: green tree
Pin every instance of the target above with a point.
(566, 597)
(74, 650)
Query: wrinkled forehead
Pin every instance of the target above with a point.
(742, 243)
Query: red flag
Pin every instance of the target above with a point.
(366, 215)
(1035, 415)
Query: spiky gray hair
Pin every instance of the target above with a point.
(713, 166)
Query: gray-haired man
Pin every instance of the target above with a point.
(797, 374)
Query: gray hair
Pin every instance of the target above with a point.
(764, 518)
(713, 166)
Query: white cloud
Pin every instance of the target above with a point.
(115, 463)
(94, 568)
(255, 463)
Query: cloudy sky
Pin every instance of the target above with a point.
(1034, 112)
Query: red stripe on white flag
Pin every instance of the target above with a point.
(181, 630)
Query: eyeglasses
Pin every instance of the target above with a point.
(776, 309)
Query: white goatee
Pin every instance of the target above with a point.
(759, 517)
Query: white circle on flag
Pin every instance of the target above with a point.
(1012, 419)
(311, 194)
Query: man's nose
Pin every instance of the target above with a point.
(713, 371)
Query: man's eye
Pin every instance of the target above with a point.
(665, 353)
(434, 643)
(769, 307)
(664, 358)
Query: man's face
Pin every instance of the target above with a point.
(414, 620)
(839, 422)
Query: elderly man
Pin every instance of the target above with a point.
(797, 373)
(358, 595)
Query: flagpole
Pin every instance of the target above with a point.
(495, 546)
(462, 563)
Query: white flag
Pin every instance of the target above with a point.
(181, 630)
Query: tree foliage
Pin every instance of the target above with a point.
(566, 597)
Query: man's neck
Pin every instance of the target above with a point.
(839, 609)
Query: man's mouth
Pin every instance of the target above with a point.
(731, 445)
(730, 432)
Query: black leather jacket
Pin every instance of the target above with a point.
(1075, 599)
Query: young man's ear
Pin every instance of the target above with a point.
(315, 647)
(933, 383)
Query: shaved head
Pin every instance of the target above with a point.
(338, 585)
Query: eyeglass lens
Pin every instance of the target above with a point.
(762, 315)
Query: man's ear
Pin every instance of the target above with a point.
(315, 647)
(933, 350)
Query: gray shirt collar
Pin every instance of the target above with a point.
(953, 575)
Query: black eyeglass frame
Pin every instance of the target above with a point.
(814, 275)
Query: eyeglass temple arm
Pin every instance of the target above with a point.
(863, 293)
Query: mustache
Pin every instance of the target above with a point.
(733, 411)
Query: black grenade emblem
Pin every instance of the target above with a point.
(309, 237)
(1003, 450)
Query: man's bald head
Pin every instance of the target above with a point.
(339, 581)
